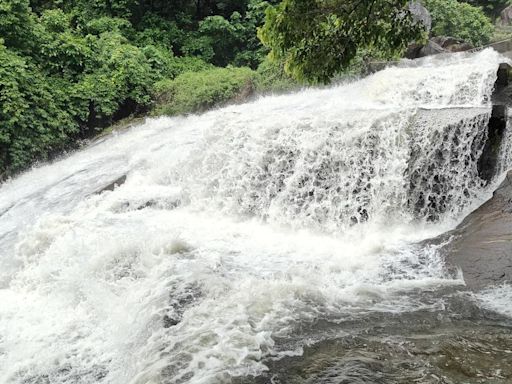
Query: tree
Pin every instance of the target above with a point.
(492, 8)
(451, 18)
(33, 113)
(17, 23)
(318, 39)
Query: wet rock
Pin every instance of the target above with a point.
(482, 243)
(503, 76)
(436, 45)
(413, 51)
(488, 161)
(451, 44)
(432, 48)
(169, 321)
(458, 353)
(180, 300)
(113, 185)
(416, 51)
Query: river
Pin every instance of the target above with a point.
(278, 241)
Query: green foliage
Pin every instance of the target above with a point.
(61, 51)
(154, 29)
(70, 68)
(33, 117)
(184, 64)
(492, 8)
(16, 24)
(451, 18)
(197, 91)
(318, 39)
(108, 24)
(273, 78)
(221, 35)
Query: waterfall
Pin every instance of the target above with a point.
(237, 228)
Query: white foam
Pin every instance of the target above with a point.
(497, 299)
(234, 227)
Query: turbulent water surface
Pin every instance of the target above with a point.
(276, 241)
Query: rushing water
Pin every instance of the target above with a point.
(275, 241)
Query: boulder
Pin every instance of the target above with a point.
(451, 44)
(505, 18)
(438, 44)
(482, 243)
(421, 14)
(431, 48)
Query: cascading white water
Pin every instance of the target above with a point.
(235, 227)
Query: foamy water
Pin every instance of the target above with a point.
(235, 227)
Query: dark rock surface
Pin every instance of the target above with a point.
(436, 45)
(451, 44)
(416, 51)
(113, 185)
(488, 162)
(482, 244)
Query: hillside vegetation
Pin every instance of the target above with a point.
(70, 68)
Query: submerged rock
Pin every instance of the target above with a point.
(113, 185)
(482, 243)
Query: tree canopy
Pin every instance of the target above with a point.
(318, 39)
(492, 8)
(71, 67)
(451, 18)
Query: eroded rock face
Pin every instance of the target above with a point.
(482, 244)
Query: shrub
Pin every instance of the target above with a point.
(155, 30)
(273, 78)
(34, 120)
(461, 20)
(197, 91)
(16, 25)
(490, 7)
(119, 83)
(184, 64)
(109, 24)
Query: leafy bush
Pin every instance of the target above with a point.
(33, 117)
(273, 78)
(184, 64)
(16, 25)
(317, 39)
(70, 68)
(196, 91)
(156, 30)
(492, 8)
(461, 20)
(109, 24)
(121, 79)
